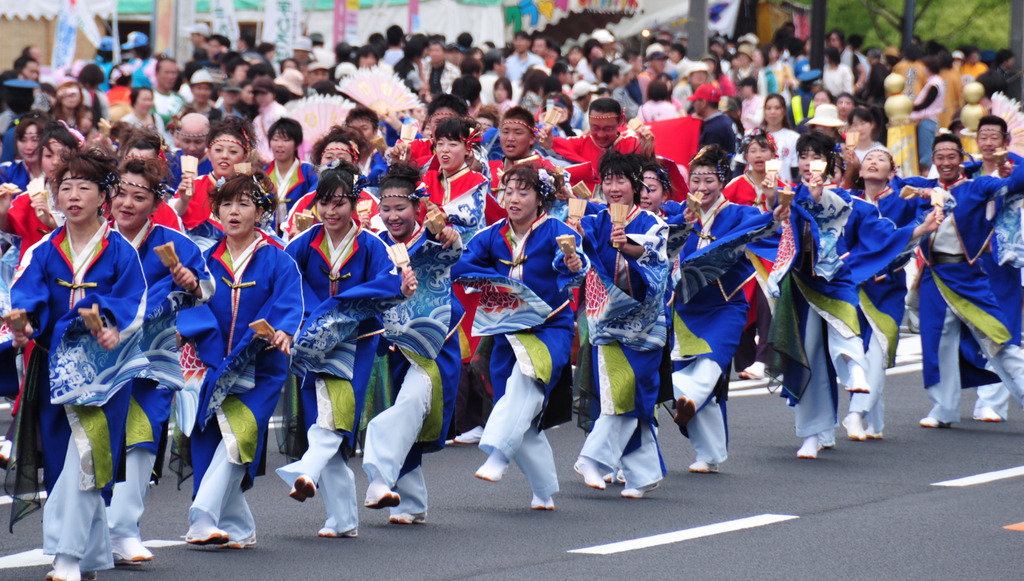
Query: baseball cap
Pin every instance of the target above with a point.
(135, 40)
(582, 88)
(706, 92)
(200, 28)
(303, 43)
(201, 76)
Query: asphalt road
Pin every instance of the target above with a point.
(864, 510)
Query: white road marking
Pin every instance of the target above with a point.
(36, 558)
(33, 558)
(686, 534)
(983, 478)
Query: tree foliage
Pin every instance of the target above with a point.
(985, 23)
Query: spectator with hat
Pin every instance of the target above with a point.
(743, 65)
(199, 34)
(691, 76)
(318, 71)
(972, 67)
(201, 85)
(143, 66)
(715, 128)
(320, 53)
(801, 106)
(582, 93)
(105, 59)
(657, 59)
(302, 51)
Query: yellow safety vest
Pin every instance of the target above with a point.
(798, 110)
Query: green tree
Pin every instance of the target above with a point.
(985, 23)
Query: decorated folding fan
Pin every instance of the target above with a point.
(318, 114)
(818, 167)
(304, 220)
(1010, 111)
(92, 318)
(577, 206)
(567, 242)
(634, 124)
(262, 329)
(852, 139)
(16, 319)
(167, 255)
(435, 222)
(399, 254)
(786, 197)
(618, 213)
(580, 190)
(380, 90)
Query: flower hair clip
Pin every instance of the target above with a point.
(545, 183)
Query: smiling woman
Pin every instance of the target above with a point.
(85, 266)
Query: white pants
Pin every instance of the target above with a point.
(707, 429)
(816, 411)
(391, 435)
(1007, 363)
(871, 406)
(324, 464)
(220, 497)
(75, 520)
(127, 504)
(512, 428)
(608, 440)
(995, 396)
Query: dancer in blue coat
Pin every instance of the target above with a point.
(525, 278)
(77, 382)
(424, 360)
(170, 289)
(256, 283)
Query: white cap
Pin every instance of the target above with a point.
(653, 48)
(749, 38)
(603, 36)
(201, 28)
(344, 70)
(201, 76)
(303, 43)
(958, 55)
(582, 88)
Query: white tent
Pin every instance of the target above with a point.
(448, 17)
(49, 9)
(655, 15)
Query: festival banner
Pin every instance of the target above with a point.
(162, 38)
(224, 21)
(65, 37)
(722, 15)
(282, 25)
(346, 21)
(532, 15)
